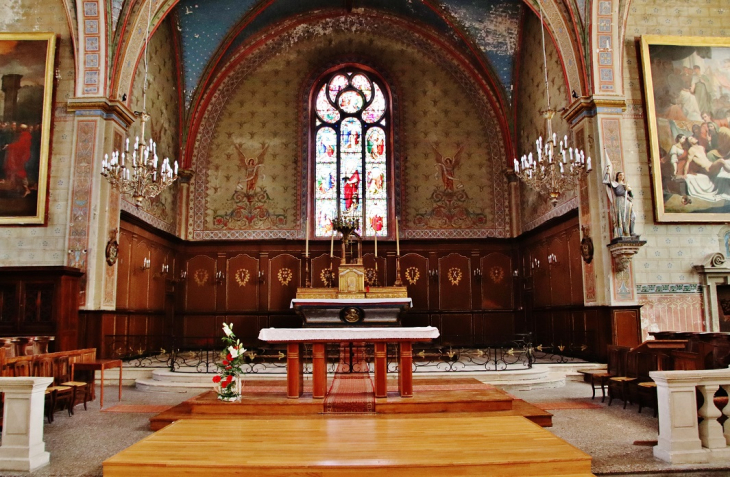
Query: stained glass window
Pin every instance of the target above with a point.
(351, 150)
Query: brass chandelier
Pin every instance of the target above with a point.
(557, 167)
(139, 174)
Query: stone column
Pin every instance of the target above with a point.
(99, 127)
(22, 446)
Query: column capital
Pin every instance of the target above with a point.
(589, 106)
(104, 108)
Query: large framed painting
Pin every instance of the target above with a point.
(26, 86)
(687, 86)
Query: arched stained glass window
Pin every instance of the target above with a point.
(351, 140)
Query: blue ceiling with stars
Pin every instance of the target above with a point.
(204, 25)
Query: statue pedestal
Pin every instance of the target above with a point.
(623, 250)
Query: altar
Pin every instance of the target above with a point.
(296, 338)
(350, 311)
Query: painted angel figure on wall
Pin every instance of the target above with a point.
(445, 166)
(621, 199)
(251, 166)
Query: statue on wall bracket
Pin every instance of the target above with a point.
(625, 242)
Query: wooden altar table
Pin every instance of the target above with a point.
(296, 338)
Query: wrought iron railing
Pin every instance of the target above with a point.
(201, 354)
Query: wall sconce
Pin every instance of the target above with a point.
(146, 264)
(165, 268)
(515, 273)
(477, 273)
(433, 273)
(219, 276)
(261, 276)
(535, 263)
(552, 258)
(183, 274)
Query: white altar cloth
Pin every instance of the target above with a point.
(350, 301)
(301, 335)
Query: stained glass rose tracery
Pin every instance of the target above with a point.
(351, 173)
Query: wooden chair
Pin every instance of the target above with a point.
(618, 386)
(644, 386)
(599, 377)
(55, 394)
(63, 374)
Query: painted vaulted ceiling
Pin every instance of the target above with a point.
(210, 31)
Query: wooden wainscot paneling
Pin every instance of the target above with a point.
(284, 279)
(140, 274)
(576, 266)
(319, 265)
(124, 268)
(496, 281)
(456, 329)
(494, 328)
(558, 271)
(540, 275)
(242, 284)
(625, 327)
(199, 330)
(455, 282)
(159, 257)
(200, 289)
(414, 274)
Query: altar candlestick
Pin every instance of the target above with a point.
(397, 239)
(332, 244)
(306, 243)
(376, 244)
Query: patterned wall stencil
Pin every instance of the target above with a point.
(536, 209)
(680, 312)
(255, 117)
(162, 105)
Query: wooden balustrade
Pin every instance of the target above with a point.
(681, 439)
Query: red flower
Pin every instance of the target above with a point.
(228, 367)
(216, 379)
(225, 362)
(229, 357)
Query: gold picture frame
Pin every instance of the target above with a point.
(26, 77)
(687, 91)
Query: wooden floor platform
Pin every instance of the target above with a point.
(455, 444)
(431, 395)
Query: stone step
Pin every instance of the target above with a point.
(540, 376)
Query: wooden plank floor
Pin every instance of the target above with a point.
(453, 444)
(431, 395)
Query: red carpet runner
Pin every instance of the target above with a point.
(350, 392)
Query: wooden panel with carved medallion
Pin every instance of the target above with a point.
(200, 289)
(325, 270)
(496, 281)
(242, 283)
(414, 274)
(284, 279)
(454, 282)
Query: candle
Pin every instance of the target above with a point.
(332, 244)
(376, 244)
(397, 240)
(306, 243)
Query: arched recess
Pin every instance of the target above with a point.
(564, 37)
(204, 122)
(133, 41)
